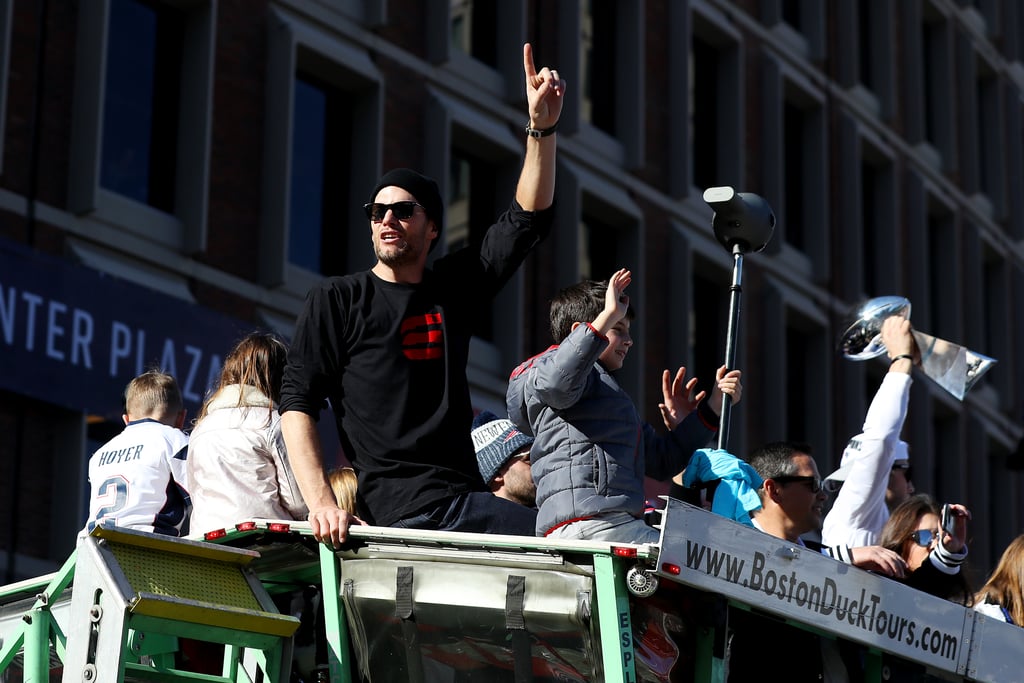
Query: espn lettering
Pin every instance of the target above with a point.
(422, 337)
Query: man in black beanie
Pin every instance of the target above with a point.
(389, 348)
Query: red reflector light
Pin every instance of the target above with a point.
(279, 527)
(670, 568)
(213, 535)
(623, 552)
(246, 526)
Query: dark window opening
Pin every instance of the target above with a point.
(141, 107)
(704, 102)
(470, 211)
(321, 146)
(599, 65)
(794, 150)
(474, 29)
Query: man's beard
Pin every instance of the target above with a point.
(396, 256)
(522, 491)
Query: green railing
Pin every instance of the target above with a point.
(423, 606)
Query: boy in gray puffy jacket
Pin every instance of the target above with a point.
(591, 449)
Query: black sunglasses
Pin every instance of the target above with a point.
(924, 537)
(813, 483)
(401, 210)
(906, 471)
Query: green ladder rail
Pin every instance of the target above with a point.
(33, 630)
(136, 594)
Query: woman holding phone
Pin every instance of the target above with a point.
(933, 542)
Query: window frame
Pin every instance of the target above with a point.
(784, 85)
(712, 27)
(186, 229)
(346, 65)
(505, 79)
(625, 149)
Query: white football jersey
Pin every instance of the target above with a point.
(138, 480)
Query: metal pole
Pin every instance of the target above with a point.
(730, 341)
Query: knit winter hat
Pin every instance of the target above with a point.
(419, 186)
(495, 440)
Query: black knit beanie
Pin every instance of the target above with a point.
(419, 186)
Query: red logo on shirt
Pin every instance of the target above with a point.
(422, 337)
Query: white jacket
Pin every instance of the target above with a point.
(238, 467)
(859, 512)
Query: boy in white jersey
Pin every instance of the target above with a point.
(138, 477)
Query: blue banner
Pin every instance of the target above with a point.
(75, 337)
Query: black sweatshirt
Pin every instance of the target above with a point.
(391, 358)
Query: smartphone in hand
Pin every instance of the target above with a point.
(948, 519)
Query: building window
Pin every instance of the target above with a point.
(792, 15)
(709, 326)
(799, 351)
(795, 129)
(474, 26)
(140, 144)
(877, 227)
(865, 45)
(598, 256)
(321, 154)
(472, 207)
(990, 135)
(936, 81)
(319, 177)
(714, 109)
(598, 64)
(140, 122)
(873, 55)
(995, 309)
(943, 276)
(42, 472)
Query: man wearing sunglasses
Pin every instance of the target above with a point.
(389, 348)
(792, 498)
(874, 473)
(503, 456)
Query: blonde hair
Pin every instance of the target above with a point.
(343, 483)
(153, 394)
(1006, 584)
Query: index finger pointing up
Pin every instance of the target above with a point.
(528, 66)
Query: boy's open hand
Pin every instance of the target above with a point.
(679, 401)
(615, 302)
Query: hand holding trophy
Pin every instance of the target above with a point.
(953, 367)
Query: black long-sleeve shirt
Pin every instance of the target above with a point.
(392, 357)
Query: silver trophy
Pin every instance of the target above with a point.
(951, 366)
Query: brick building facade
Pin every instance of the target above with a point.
(176, 172)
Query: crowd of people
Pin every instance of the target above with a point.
(388, 347)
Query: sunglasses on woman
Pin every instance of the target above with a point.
(924, 537)
(400, 210)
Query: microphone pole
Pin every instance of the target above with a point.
(742, 222)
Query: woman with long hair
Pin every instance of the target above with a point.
(237, 462)
(934, 556)
(1002, 596)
